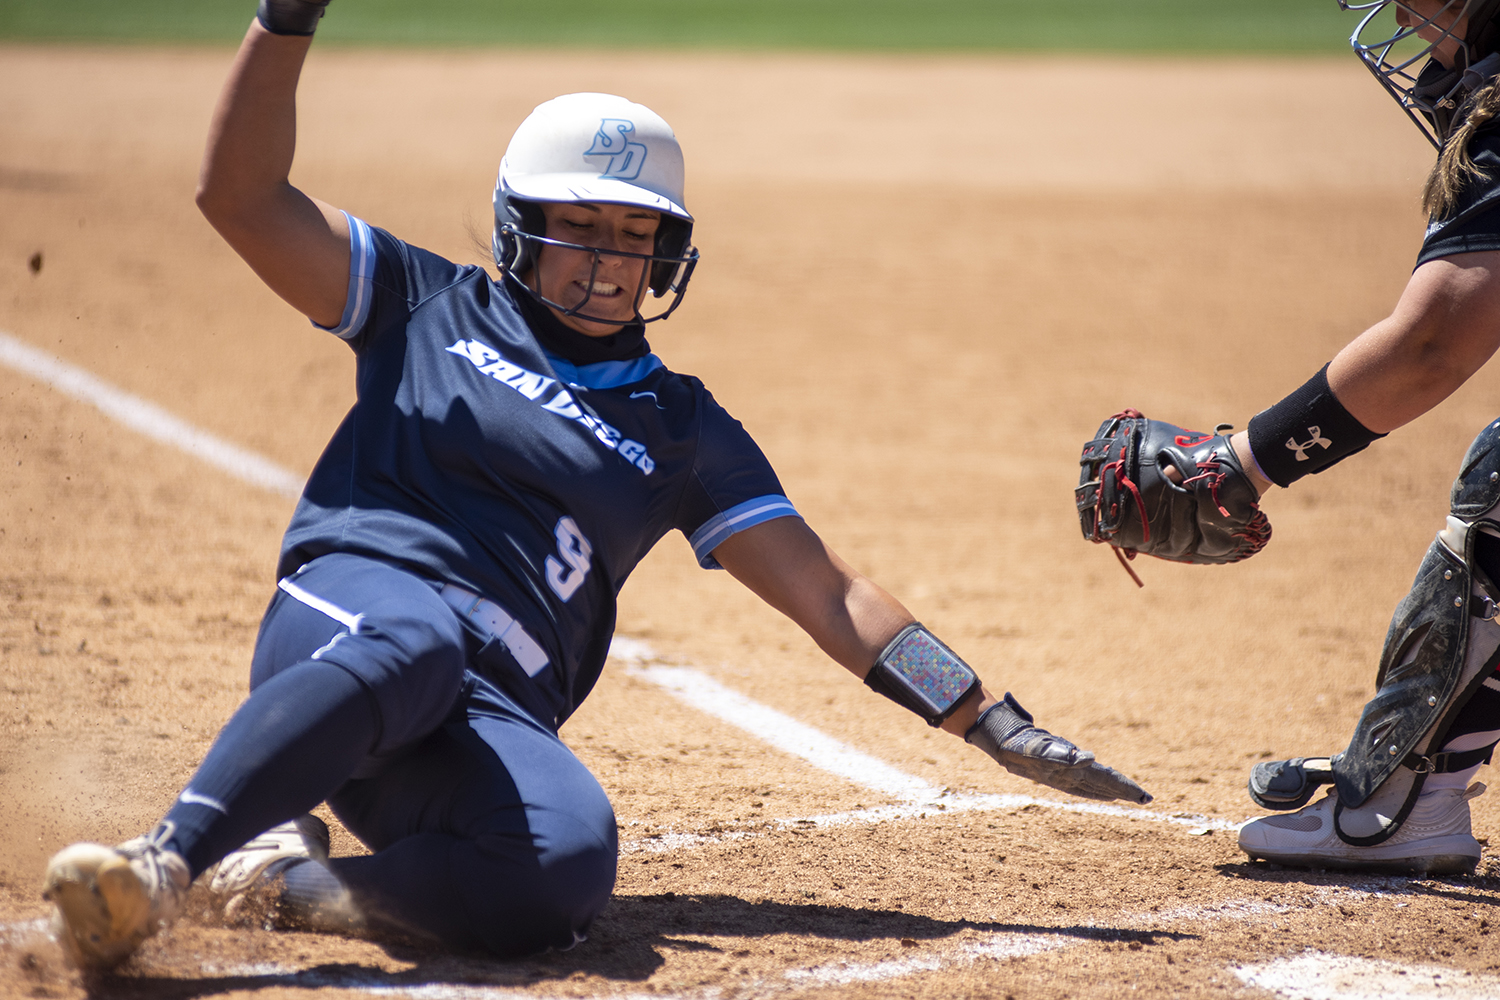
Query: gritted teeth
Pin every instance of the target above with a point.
(600, 287)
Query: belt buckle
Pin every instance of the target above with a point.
(468, 601)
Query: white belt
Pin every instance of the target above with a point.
(499, 623)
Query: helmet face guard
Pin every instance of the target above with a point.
(1430, 92)
(660, 274)
(600, 149)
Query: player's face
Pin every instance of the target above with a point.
(613, 287)
(1442, 25)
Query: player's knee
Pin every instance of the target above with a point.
(580, 886)
(1476, 492)
(551, 905)
(1477, 488)
(578, 859)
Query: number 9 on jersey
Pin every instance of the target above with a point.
(565, 574)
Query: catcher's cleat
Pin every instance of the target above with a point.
(245, 880)
(1434, 840)
(110, 899)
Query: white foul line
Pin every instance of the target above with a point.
(1312, 975)
(786, 733)
(916, 798)
(147, 418)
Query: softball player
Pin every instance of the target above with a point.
(1401, 789)
(449, 578)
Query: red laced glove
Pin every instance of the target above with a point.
(1126, 501)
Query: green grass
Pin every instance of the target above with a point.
(1120, 26)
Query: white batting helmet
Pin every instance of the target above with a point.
(594, 148)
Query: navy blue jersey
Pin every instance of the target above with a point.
(1474, 225)
(472, 457)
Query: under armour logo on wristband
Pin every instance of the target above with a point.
(1301, 449)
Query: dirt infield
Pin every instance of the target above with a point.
(925, 282)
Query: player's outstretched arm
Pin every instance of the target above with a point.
(297, 245)
(1445, 327)
(872, 634)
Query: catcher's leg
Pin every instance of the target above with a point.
(1400, 799)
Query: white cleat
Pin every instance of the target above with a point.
(110, 899)
(1434, 840)
(244, 880)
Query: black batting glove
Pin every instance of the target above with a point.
(1005, 732)
(290, 17)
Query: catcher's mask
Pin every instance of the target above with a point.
(601, 149)
(1431, 94)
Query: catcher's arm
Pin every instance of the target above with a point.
(1240, 442)
(1445, 327)
(876, 638)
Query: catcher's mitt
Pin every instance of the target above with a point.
(1125, 500)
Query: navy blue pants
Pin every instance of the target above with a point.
(487, 831)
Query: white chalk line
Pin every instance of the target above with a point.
(1314, 975)
(916, 799)
(950, 803)
(1298, 976)
(989, 947)
(787, 734)
(147, 418)
(998, 945)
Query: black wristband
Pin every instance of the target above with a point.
(1306, 432)
(290, 17)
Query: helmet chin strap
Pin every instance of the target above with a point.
(533, 272)
(528, 251)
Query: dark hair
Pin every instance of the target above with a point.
(1455, 167)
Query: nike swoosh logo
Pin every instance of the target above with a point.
(193, 798)
(637, 395)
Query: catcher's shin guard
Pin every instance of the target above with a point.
(1443, 643)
